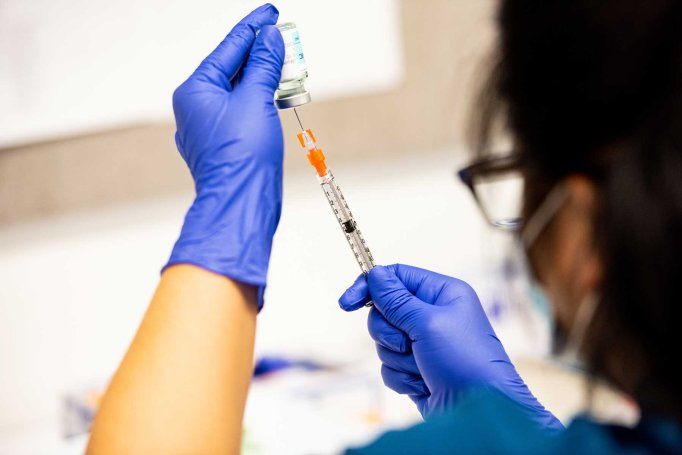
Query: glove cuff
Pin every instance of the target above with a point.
(231, 234)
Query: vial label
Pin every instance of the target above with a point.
(298, 50)
(294, 60)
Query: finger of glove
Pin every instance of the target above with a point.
(222, 64)
(403, 383)
(431, 287)
(398, 361)
(398, 305)
(386, 335)
(263, 67)
(356, 296)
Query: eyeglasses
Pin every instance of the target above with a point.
(497, 184)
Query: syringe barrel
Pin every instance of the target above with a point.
(346, 221)
(337, 202)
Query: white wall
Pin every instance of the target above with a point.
(70, 66)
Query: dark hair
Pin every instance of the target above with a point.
(594, 88)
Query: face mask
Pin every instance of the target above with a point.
(565, 346)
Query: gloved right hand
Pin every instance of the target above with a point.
(435, 341)
(230, 136)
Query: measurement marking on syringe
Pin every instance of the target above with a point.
(337, 202)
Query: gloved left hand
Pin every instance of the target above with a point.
(435, 341)
(230, 136)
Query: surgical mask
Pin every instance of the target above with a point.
(565, 347)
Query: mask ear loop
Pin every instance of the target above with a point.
(587, 308)
(581, 322)
(585, 312)
(517, 265)
(576, 337)
(532, 229)
(543, 215)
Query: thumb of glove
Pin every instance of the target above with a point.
(400, 307)
(263, 68)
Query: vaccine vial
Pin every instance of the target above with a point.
(291, 91)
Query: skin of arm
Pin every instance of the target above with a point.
(182, 386)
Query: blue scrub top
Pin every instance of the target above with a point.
(489, 422)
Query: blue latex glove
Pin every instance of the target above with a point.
(230, 136)
(434, 340)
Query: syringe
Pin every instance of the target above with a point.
(336, 200)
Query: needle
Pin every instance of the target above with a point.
(299, 120)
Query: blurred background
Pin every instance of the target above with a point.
(93, 193)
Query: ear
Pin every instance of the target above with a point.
(580, 256)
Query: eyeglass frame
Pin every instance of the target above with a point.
(486, 166)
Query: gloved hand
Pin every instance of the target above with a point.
(435, 341)
(230, 136)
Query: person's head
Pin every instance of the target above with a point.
(591, 93)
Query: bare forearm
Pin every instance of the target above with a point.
(182, 386)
